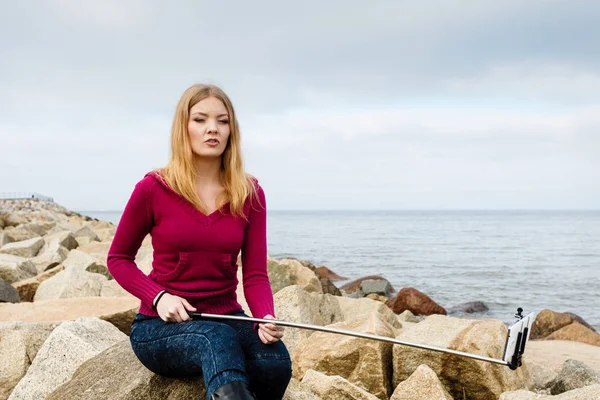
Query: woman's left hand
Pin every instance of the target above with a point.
(269, 333)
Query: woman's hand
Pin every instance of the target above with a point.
(173, 308)
(269, 333)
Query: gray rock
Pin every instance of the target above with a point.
(334, 387)
(5, 238)
(64, 238)
(573, 375)
(69, 345)
(87, 232)
(49, 258)
(85, 262)
(117, 374)
(70, 283)
(8, 294)
(14, 269)
(469, 308)
(25, 248)
(377, 286)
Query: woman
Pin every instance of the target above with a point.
(201, 210)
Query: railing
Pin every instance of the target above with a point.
(25, 196)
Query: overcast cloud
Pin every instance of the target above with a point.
(342, 104)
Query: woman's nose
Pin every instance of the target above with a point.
(212, 127)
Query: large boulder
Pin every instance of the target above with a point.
(363, 362)
(416, 302)
(14, 269)
(547, 322)
(77, 259)
(586, 393)
(8, 294)
(50, 257)
(363, 307)
(117, 374)
(5, 238)
(554, 353)
(289, 272)
(325, 272)
(292, 303)
(68, 346)
(334, 387)
(113, 289)
(573, 375)
(86, 232)
(353, 288)
(461, 376)
(26, 232)
(576, 332)
(26, 248)
(297, 391)
(423, 384)
(28, 287)
(65, 238)
(70, 283)
(19, 344)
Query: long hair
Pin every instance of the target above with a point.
(180, 172)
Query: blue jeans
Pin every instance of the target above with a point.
(221, 351)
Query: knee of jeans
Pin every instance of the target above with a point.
(279, 368)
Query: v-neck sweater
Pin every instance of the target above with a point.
(195, 255)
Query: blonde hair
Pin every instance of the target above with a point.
(180, 172)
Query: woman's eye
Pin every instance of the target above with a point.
(199, 120)
(224, 121)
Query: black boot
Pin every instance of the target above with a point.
(236, 390)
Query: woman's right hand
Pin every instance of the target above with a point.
(173, 308)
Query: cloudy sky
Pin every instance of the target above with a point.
(342, 105)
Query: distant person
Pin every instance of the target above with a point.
(201, 210)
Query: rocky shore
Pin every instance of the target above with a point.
(64, 323)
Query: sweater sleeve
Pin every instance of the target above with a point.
(134, 225)
(257, 288)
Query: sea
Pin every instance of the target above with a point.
(505, 259)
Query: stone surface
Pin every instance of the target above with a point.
(461, 376)
(87, 232)
(292, 303)
(469, 308)
(334, 387)
(573, 375)
(25, 232)
(65, 238)
(14, 269)
(67, 347)
(297, 391)
(289, 272)
(416, 302)
(28, 287)
(19, 344)
(553, 353)
(363, 362)
(8, 294)
(78, 259)
(325, 272)
(586, 393)
(547, 322)
(50, 257)
(25, 248)
(576, 332)
(423, 384)
(113, 289)
(117, 374)
(363, 307)
(407, 316)
(70, 283)
(353, 286)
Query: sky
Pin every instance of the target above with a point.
(342, 104)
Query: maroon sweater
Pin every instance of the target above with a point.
(195, 255)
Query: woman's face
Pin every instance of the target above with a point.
(208, 127)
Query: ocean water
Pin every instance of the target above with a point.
(506, 259)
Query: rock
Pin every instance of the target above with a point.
(5, 238)
(576, 332)
(19, 344)
(352, 287)
(334, 387)
(586, 393)
(461, 376)
(25, 248)
(547, 322)
(292, 303)
(573, 375)
(70, 283)
(297, 391)
(377, 297)
(99, 250)
(50, 257)
(87, 232)
(553, 353)
(415, 301)
(28, 287)
(408, 317)
(541, 374)
(363, 362)
(423, 384)
(375, 286)
(577, 318)
(83, 240)
(67, 347)
(363, 307)
(325, 272)
(469, 308)
(65, 238)
(144, 259)
(77, 259)
(327, 285)
(117, 310)
(117, 374)
(113, 289)
(14, 269)
(8, 294)
(105, 233)
(26, 232)
(290, 272)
